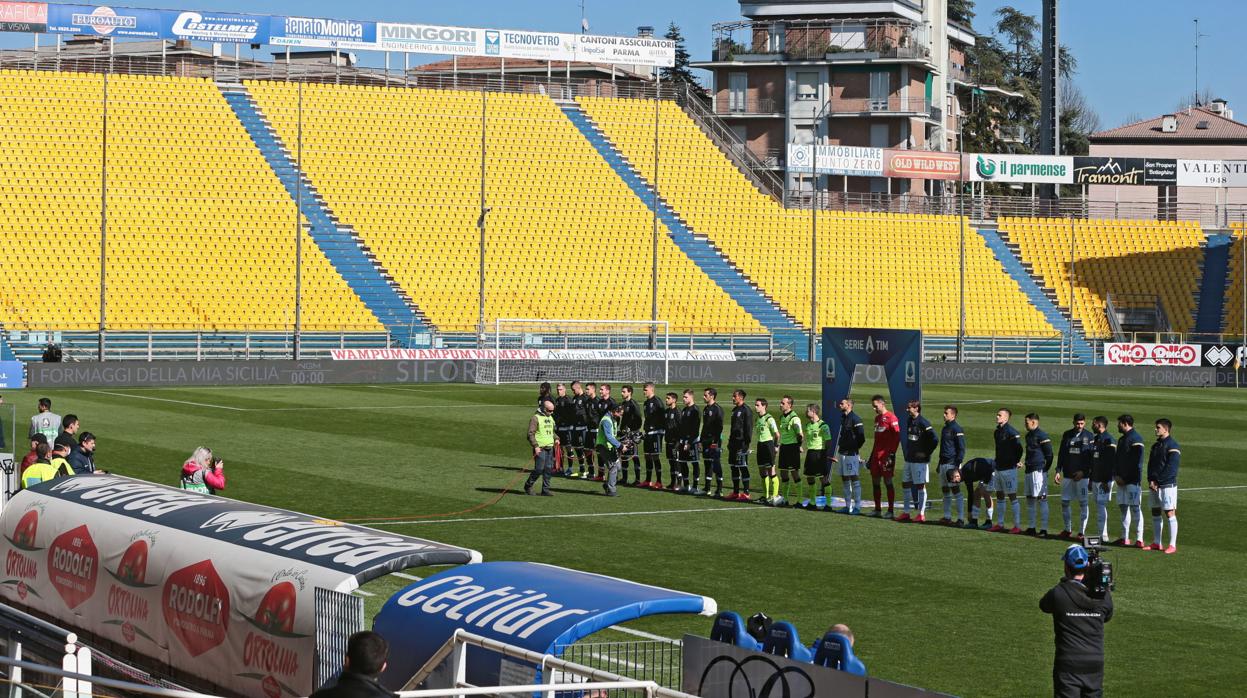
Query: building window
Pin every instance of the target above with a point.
(737, 87)
(880, 89)
(807, 86)
(775, 38)
(803, 135)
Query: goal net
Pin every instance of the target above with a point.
(533, 351)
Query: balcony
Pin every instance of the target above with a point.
(890, 105)
(728, 105)
(820, 40)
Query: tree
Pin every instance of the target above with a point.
(1202, 98)
(961, 11)
(1078, 120)
(680, 72)
(1020, 28)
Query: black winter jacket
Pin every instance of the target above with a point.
(1078, 620)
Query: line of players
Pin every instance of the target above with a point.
(1088, 463)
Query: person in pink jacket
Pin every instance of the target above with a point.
(203, 473)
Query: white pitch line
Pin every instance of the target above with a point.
(303, 409)
(162, 399)
(616, 660)
(558, 516)
(529, 517)
(642, 633)
(404, 575)
(361, 592)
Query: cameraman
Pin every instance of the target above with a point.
(1078, 620)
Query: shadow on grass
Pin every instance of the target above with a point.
(557, 490)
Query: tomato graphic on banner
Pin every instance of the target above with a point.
(125, 606)
(196, 607)
(267, 652)
(73, 566)
(25, 531)
(132, 570)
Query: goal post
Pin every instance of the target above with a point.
(527, 350)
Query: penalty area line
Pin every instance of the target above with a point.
(165, 399)
(530, 517)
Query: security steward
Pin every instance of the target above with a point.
(541, 437)
(1078, 620)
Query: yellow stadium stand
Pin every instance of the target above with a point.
(566, 238)
(200, 233)
(1136, 261)
(874, 269)
(1234, 298)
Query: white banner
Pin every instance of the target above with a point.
(1049, 169)
(1135, 354)
(508, 43)
(218, 588)
(836, 160)
(1212, 173)
(625, 50)
(532, 354)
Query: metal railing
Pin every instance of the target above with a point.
(732, 105)
(652, 660)
(551, 668)
(890, 104)
(821, 39)
(96, 59)
(987, 208)
(757, 171)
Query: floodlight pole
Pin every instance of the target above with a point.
(814, 233)
(653, 337)
(1071, 289)
(961, 220)
(103, 221)
(480, 225)
(298, 235)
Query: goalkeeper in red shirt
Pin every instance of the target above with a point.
(883, 453)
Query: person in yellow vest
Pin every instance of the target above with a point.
(49, 466)
(542, 438)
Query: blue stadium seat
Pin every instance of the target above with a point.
(783, 640)
(834, 651)
(729, 627)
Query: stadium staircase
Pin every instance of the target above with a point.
(1212, 285)
(340, 244)
(697, 247)
(1035, 291)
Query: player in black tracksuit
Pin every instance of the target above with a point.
(671, 423)
(565, 427)
(630, 421)
(655, 427)
(738, 441)
(690, 433)
(712, 441)
(580, 443)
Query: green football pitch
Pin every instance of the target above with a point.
(945, 609)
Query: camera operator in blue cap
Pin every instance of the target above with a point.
(1078, 618)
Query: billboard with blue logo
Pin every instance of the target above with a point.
(217, 27)
(104, 20)
(317, 32)
(899, 352)
(531, 605)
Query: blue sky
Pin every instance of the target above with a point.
(1135, 56)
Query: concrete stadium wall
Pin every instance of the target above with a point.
(121, 374)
